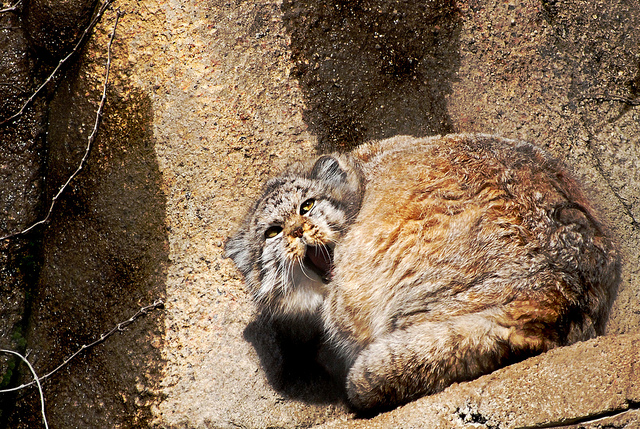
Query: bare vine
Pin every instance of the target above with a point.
(94, 131)
(85, 34)
(37, 380)
(90, 140)
(614, 98)
(11, 8)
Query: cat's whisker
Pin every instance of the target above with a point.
(325, 249)
(279, 272)
(333, 240)
(301, 263)
(289, 272)
(284, 271)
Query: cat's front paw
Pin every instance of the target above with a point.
(361, 390)
(370, 386)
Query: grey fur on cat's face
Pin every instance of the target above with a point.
(285, 246)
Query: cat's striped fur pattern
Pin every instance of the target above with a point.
(450, 257)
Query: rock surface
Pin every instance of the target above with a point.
(208, 99)
(22, 169)
(588, 383)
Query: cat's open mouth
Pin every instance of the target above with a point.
(320, 261)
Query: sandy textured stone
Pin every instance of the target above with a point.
(582, 383)
(208, 99)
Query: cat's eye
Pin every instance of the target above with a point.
(272, 231)
(306, 206)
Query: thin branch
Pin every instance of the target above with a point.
(35, 380)
(10, 84)
(75, 49)
(625, 100)
(11, 8)
(118, 328)
(90, 139)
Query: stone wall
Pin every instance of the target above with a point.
(206, 100)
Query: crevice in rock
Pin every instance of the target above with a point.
(632, 405)
(635, 224)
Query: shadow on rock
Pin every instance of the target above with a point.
(293, 362)
(372, 69)
(105, 255)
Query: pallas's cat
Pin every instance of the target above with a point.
(428, 261)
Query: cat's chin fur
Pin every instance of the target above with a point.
(300, 303)
(295, 315)
(306, 296)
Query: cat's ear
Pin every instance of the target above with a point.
(328, 169)
(237, 249)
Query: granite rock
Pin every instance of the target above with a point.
(207, 99)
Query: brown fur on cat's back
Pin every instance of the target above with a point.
(469, 252)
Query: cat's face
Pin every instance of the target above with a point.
(285, 247)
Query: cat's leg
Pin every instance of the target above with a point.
(426, 357)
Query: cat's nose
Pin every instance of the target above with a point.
(297, 232)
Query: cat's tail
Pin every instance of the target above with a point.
(582, 250)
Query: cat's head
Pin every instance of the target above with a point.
(285, 245)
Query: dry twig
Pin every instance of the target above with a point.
(11, 8)
(76, 48)
(37, 380)
(90, 139)
(615, 98)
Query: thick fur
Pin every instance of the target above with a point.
(274, 268)
(468, 252)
